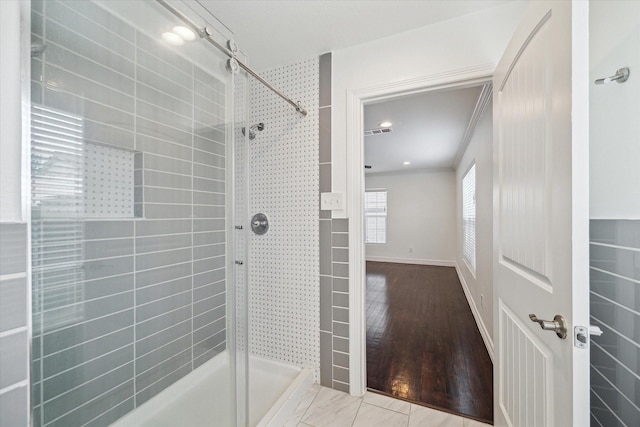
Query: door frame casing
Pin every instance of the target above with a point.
(356, 99)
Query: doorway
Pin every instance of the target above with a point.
(416, 272)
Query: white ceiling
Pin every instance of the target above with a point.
(279, 32)
(427, 130)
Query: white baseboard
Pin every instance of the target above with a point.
(484, 332)
(435, 262)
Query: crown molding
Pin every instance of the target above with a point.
(484, 99)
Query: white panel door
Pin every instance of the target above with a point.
(541, 218)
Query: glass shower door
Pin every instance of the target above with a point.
(132, 184)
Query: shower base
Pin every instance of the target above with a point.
(202, 398)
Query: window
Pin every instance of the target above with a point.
(375, 216)
(469, 217)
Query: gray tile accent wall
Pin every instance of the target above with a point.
(615, 304)
(14, 338)
(124, 308)
(334, 260)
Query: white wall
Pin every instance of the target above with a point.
(15, 322)
(10, 113)
(615, 111)
(474, 40)
(420, 217)
(479, 284)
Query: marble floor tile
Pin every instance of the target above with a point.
(302, 407)
(374, 416)
(332, 408)
(473, 423)
(325, 407)
(421, 416)
(387, 402)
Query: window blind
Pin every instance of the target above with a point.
(375, 212)
(469, 217)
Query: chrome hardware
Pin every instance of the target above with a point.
(232, 46)
(558, 325)
(207, 34)
(38, 49)
(581, 335)
(252, 130)
(239, 262)
(260, 224)
(232, 66)
(621, 76)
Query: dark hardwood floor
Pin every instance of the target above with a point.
(423, 344)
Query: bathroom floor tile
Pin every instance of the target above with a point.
(301, 409)
(387, 402)
(426, 417)
(325, 407)
(374, 416)
(332, 408)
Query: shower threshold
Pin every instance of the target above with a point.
(201, 399)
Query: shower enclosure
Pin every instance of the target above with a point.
(140, 222)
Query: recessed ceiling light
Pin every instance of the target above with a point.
(184, 32)
(386, 124)
(406, 163)
(173, 39)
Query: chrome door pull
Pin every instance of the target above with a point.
(558, 325)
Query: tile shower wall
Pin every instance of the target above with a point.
(615, 308)
(283, 184)
(14, 342)
(132, 300)
(334, 260)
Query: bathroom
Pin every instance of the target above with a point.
(122, 256)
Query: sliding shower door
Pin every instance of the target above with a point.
(132, 228)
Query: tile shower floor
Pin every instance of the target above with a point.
(322, 406)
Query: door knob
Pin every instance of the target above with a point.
(558, 325)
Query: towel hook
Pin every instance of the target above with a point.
(621, 76)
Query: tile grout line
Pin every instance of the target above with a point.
(310, 405)
(358, 411)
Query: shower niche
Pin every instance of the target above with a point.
(112, 188)
(75, 178)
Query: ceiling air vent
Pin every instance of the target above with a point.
(378, 131)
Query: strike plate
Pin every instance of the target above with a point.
(580, 337)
